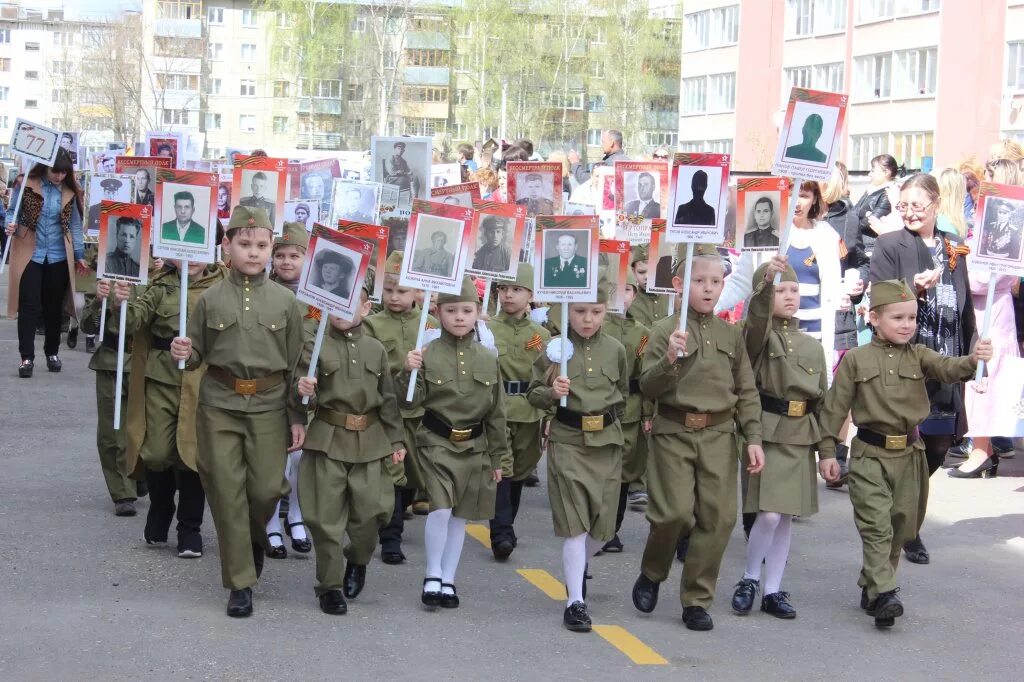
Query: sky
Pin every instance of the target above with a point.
(80, 8)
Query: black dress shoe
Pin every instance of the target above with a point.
(431, 598)
(355, 578)
(240, 603)
(533, 480)
(302, 546)
(277, 551)
(25, 369)
(257, 559)
(333, 603)
(888, 608)
(90, 343)
(613, 546)
(392, 557)
(53, 363)
(502, 549)
(682, 547)
(916, 552)
(743, 597)
(72, 337)
(576, 617)
(645, 594)
(697, 618)
(777, 604)
(449, 601)
(865, 603)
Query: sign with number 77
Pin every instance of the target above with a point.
(34, 141)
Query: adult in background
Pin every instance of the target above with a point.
(488, 181)
(952, 199)
(836, 195)
(560, 157)
(873, 215)
(465, 157)
(611, 145)
(933, 264)
(48, 245)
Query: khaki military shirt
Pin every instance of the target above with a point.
(397, 331)
(353, 378)
(105, 358)
(883, 385)
(713, 375)
(633, 336)
(648, 308)
(598, 383)
(251, 328)
(519, 342)
(788, 365)
(461, 384)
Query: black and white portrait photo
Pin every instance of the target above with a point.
(493, 252)
(333, 272)
(300, 212)
(1001, 229)
(642, 191)
(405, 163)
(356, 201)
(259, 190)
(124, 243)
(761, 220)
(106, 187)
(697, 196)
(566, 259)
(69, 143)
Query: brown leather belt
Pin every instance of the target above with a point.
(351, 422)
(788, 408)
(694, 420)
(245, 386)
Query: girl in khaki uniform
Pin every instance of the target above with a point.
(790, 372)
(462, 442)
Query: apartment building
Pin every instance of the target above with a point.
(908, 97)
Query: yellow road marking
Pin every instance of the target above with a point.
(544, 581)
(637, 651)
(480, 533)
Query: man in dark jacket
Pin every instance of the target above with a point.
(611, 145)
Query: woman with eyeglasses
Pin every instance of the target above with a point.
(934, 264)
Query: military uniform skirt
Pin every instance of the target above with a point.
(788, 484)
(460, 481)
(583, 489)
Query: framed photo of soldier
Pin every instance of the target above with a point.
(403, 162)
(700, 184)
(437, 247)
(641, 188)
(124, 236)
(998, 245)
(185, 215)
(496, 239)
(315, 179)
(334, 271)
(259, 182)
(761, 208)
(537, 185)
(377, 236)
(355, 201)
(69, 143)
(807, 139)
(463, 194)
(170, 145)
(106, 187)
(301, 212)
(566, 255)
(104, 162)
(143, 170)
(662, 259)
(224, 200)
(394, 217)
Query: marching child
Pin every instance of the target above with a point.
(343, 478)
(792, 378)
(288, 255)
(520, 341)
(704, 387)
(461, 440)
(584, 443)
(883, 384)
(248, 331)
(396, 327)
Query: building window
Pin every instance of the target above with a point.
(215, 85)
(4, 92)
(215, 16)
(63, 39)
(358, 25)
(177, 81)
(247, 88)
(390, 58)
(707, 146)
(5, 36)
(796, 77)
(872, 79)
(914, 72)
(558, 100)
(357, 127)
(417, 94)
(594, 137)
(280, 125)
(177, 117)
(712, 28)
(31, 75)
(283, 20)
(490, 132)
(867, 147)
(215, 51)
(354, 92)
(31, 104)
(59, 95)
(427, 127)
(248, 52)
(1015, 65)
(596, 104)
(828, 77)
(597, 69)
(874, 10)
(695, 94)
(829, 16)
(5, 122)
(798, 18)
(426, 57)
(696, 31)
(213, 122)
(904, 7)
(461, 96)
(661, 138)
(721, 92)
(913, 147)
(247, 123)
(321, 88)
(282, 89)
(249, 18)
(463, 62)
(5, 64)
(459, 131)
(178, 9)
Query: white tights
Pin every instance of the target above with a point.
(575, 552)
(291, 472)
(769, 542)
(443, 535)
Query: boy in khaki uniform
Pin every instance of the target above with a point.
(646, 308)
(704, 386)
(883, 384)
(519, 342)
(344, 480)
(248, 331)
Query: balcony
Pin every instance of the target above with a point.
(320, 140)
(318, 105)
(426, 75)
(178, 28)
(427, 40)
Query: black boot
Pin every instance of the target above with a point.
(887, 608)
(333, 603)
(355, 578)
(645, 594)
(240, 603)
(191, 503)
(502, 530)
(161, 505)
(391, 534)
(916, 552)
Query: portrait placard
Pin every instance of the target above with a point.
(105, 186)
(299, 211)
(394, 217)
(700, 189)
(69, 141)
(662, 259)
(566, 256)
(570, 208)
(224, 199)
(376, 235)
(761, 208)
(537, 185)
(125, 231)
(403, 162)
(998, 230)
(259, 182)
(334, 271)
(311, 181)
(143, 170)
(615, 259)
(496, 239)
(105, 161)
(457, 194)
(633, 229)
(34, 141)
(808, 138)
(356, 201)
(438, 241)
(170, 145)
(445, 174)
(641, 188)
(185, 215)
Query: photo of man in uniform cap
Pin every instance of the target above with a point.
(123, 257)
(494, 254)
(535, 196)
(258, 184)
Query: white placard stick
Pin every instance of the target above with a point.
(794, 194)
(487, 293)
(563, 369)
(183, 305)
(424, 314)
(684, 301)
(671, 304)
(316, 350)
(986, 320)
(7, 246)
(103, 317)
(120, 364)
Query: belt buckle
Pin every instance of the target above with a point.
(459, 435)
(245, 386)
(694, 420)
(355, 422)
(895, 442)
(592, 422)
(797, 408)
(513, 387)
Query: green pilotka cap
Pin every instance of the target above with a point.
(467, 295)
(393, 265)
(788, 276)
(244, 216)
(293, 234)
(891, 291)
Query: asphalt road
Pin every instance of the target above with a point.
(83, 597)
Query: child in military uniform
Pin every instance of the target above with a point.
(519, 341)
(344, 480)
(792, 378)
(702, 381)
(584, 443)
(883, 384)
(249, 333)
(396, 327)
(461, 440)
(161, 425)
(287, 257)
